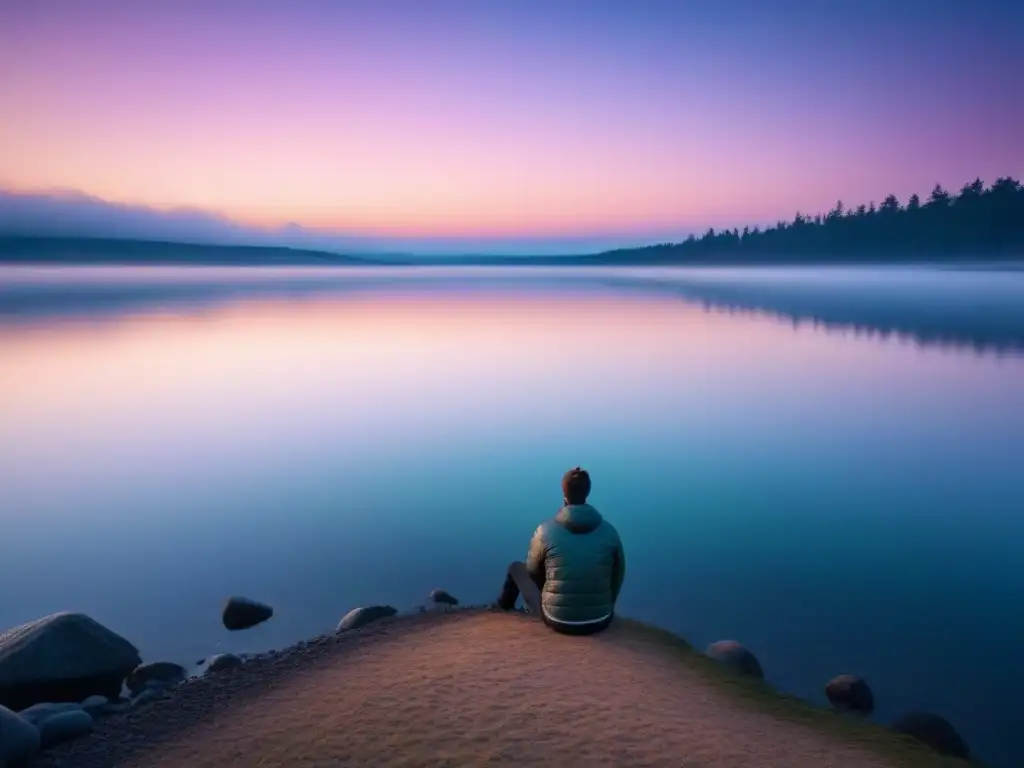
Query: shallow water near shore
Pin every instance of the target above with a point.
(822, 464)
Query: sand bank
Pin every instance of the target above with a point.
(485, 688)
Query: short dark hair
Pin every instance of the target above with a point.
(576, 486)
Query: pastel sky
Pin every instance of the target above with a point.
(528, 126)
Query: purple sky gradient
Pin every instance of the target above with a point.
(530, 126)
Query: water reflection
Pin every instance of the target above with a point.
(323, 439)
(979, 310)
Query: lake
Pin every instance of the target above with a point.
(825, 464)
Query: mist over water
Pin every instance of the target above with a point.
(821, 463)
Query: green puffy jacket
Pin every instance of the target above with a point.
(577, 560)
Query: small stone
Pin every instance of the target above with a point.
(162, 674)
(849, 693)
(19, 738)
(443, 597)
(243, 613)
(732, 654)
(360, 617)
(934, 731)
(223, 661)
(37, 713)
(65, 727)
(95, 705)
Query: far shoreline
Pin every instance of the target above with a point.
(39, 251)
(1009, 265)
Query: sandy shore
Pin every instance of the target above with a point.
(481, 688)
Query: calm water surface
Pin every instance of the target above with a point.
(825, 465)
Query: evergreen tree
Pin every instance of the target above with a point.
(977, 222)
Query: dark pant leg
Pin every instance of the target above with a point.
(509, 593)
(518, 582)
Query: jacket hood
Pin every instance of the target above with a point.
(578, 518)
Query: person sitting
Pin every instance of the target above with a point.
(575, 566)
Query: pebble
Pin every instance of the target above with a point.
(935, 731)
(155, 673)
(223, 661)
(37, 713)
(443, 597)
(65, 726)
(849, 693)
(360, 617)
(95, 705)
(19, 738)
(732, 654)
(243, 613)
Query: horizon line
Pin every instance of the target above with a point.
(23, 213)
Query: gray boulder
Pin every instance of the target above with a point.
(439, 596)
(37, 713)
(223, 661)
(734, 655)
(65, 727)
(242, 613)
(849, 693)
(160, 673)
(19, 739)
(934, 731)
(360, 617)
(63, 657)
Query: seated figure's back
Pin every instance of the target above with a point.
(577, 560)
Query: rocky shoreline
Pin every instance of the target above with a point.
(154, 699)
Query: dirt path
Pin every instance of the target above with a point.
(474, 688)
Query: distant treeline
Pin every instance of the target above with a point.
(94, 250)
(978, 222)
